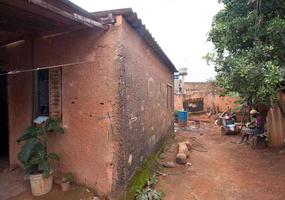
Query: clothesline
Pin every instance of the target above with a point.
(12, 72)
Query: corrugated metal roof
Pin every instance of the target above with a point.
(140, 28)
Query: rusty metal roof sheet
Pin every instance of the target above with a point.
(132, 18)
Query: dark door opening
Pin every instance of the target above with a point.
(4, 122)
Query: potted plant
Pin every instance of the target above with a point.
(35, 157)
(66, 181)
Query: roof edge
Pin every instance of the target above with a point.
(136, 23)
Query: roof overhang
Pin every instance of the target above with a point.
(21, 19)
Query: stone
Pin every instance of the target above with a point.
(181, 158)
(168, 165)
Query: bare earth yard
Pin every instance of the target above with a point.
(226, 171)
(221, 170)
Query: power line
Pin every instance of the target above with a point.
(13, 72)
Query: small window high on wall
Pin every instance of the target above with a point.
(42, 93)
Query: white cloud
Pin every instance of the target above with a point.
(179, 26)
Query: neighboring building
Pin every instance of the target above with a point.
(203, 97)
(276, 122)
(111, 86)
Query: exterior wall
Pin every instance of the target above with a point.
(276, 123)
(114, 108)
(210, 94)
(147, 120)
(89, 100)
(18, 56)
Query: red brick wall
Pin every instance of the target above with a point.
(148, 120)
(209, 93)
(114, 109)
(89, 99)
(55, 93)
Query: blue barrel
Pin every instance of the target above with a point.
(182, 118)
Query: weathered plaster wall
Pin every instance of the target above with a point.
(210, 94)
(147, 119)
(276, 123)
(89, 104)
(18, 56)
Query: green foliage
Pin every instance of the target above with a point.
(249, 49)
(68, 178)
(33, 154)
(147, 192)
(146, 170)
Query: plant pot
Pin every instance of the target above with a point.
(40, 185)
(65, 186)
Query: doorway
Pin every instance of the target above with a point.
(4, 123)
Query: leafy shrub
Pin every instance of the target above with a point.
(33, 154)
(68, 178)
(147, 192)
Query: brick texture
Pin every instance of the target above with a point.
(55, 84)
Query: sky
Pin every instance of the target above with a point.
(179, 26)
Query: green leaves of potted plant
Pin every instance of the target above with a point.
(34, 155)
(66, 181)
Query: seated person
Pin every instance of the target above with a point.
(254, 128)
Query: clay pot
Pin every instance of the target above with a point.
(65, 186)
(40, 185)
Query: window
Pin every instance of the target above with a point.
(48, 87)
(169, 97)
(42, 93)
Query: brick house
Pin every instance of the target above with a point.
(102, 74)
(205, 97)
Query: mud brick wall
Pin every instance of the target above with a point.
(147, 118)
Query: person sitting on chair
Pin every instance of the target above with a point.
(255, 127)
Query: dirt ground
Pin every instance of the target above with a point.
(222, 169)
(76, 193)
(14, 187)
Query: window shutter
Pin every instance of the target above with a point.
(55, 91)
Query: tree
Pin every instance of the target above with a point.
(249, 48)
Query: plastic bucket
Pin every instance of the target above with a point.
(182, 118)
(40, 185)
